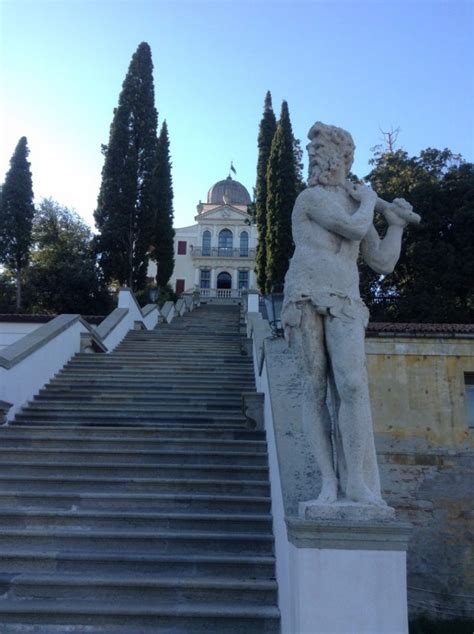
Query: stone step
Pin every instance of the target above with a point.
(151, 360)
(125, 407)
(131, 433)
(129, 416)
(158, 372)
(142, 588)
(137, 457)
(132, 618)
(33, 561)
(166, 382)
(82, 519)
(86, 483)
(135, 541)
(116, 427)
(148, 502)
(65, 396)
(62, 441)
(185, 471)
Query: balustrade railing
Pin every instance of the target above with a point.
(221, 293)
(222, 252)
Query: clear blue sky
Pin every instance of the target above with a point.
(364, 66)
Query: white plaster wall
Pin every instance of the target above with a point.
(12, 331)
(21, 382)
(348, 591)
(183, 264)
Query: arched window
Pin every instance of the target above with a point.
(244, 244)
(224, 280)
(206, 243)
(225, 242)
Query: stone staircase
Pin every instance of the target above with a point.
(132, 496)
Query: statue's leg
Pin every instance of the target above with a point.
(310, 349)
(345, 343)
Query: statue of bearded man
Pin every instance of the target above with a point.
(324, 317)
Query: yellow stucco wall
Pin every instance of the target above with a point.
(417, 387)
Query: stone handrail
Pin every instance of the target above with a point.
(168, 311)
(24, 347)
(30, 362)
(104, 329)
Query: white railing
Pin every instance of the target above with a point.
(222, 293)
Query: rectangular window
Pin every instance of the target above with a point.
(205, 279)
(182, 247)
(243, 279)
(469, 392)
(180, 286)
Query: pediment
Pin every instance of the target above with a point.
(224, 212)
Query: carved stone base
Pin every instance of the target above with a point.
(345, 510)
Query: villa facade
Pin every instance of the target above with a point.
(217, 254)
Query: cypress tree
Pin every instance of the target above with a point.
(265, 138)
(124, 213)
(281, 195)
(163, 233)
(16, 216)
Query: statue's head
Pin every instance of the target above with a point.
(330, 150)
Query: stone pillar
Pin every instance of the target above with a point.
(252, 302)
(197, 277)
(235, 278)
(252, 279)
(347, 576)
(213, 278)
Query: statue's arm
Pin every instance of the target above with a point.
(382, 255)
(329, 214)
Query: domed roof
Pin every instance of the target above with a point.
(228, 192)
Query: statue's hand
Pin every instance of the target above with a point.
(399, 213)
(361, 193)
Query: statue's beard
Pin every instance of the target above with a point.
(324, 172)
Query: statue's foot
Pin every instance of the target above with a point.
(361, 493)
(328, 493)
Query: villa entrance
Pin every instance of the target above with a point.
(224, 280)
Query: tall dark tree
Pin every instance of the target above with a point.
(163, 232)
(433, 279)
(282, 189)
(16, 216)
(63, 276)
(265, 138)
(124, 214)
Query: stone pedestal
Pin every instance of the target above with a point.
(345, 510)
(348, 576)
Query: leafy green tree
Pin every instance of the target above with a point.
(433, 280)
(63, 276)
(298, 152)
(7, 293)
(163, 232)
(282, 189)
(124, 214)
(16, 216)
(265, 138)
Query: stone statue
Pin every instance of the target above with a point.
(324, 317)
